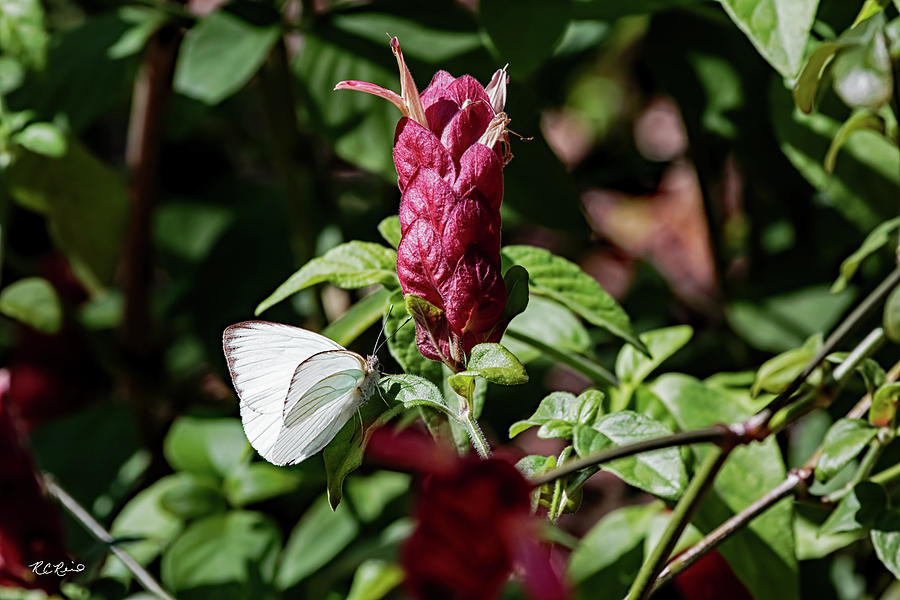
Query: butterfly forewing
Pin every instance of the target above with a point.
(262, 358)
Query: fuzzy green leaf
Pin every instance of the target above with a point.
(563, 281)
(660, 472)
(350, 266)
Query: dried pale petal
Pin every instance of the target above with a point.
(496, 90)
(375, 90)
(408, 88)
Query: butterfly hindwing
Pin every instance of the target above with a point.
(325, 391)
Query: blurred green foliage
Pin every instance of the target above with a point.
(696, 171)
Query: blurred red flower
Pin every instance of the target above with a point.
(30, 528)
(474, 523)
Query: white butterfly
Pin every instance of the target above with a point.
(297, 388)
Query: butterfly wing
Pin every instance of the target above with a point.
(262, 358)
(325, 391)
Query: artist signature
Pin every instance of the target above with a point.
(59, 569)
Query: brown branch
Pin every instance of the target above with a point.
(152, 88)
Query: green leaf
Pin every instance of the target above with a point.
(145, 21)
(22, 32)
(254, 482)
(389, 228)
(344, 454)
(844, 440)
(402, 342)
(496, 364)
(565, 408)
(359, 126)
(882, 235)
(563, 281)
(194, 496)
(776, 373)
(884, 405)
(358, 318)
(235, 553)
(147, 523)
(807, 86)
(371, 494)
(463, 383)
(516, 282)
(350, 266)
(549, 322)
(602, 561)
(886, 539)
(374, 578)
(42, 138)
(778, 29)
(507, 21)
(860, 509)
(660, 472)
(892, 316)
(864, 183)
(807, 311)
(872, 373)
(860, 120)
(862, 71)
(412, 391)
(32, 301)
(219, 55)
(205, 446)
(534, 464)
(632, 368)
(762, 555)
(86, 204)
(318, 537)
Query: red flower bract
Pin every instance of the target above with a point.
(449, 154)
(474, 523)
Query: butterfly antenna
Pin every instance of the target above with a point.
(381, 331)
(390, 337)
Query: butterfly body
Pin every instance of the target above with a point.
(296, 388)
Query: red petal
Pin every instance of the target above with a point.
(416, 147)
(479, 167)
(465, 128)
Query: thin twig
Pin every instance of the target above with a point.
(152, 88)
(90, 524)
(684, 511)
(718, 434)
(795, 479)
(795, 483)
(837, 337)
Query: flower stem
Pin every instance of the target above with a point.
(681, 516)
(476, 435)
(577, 362)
